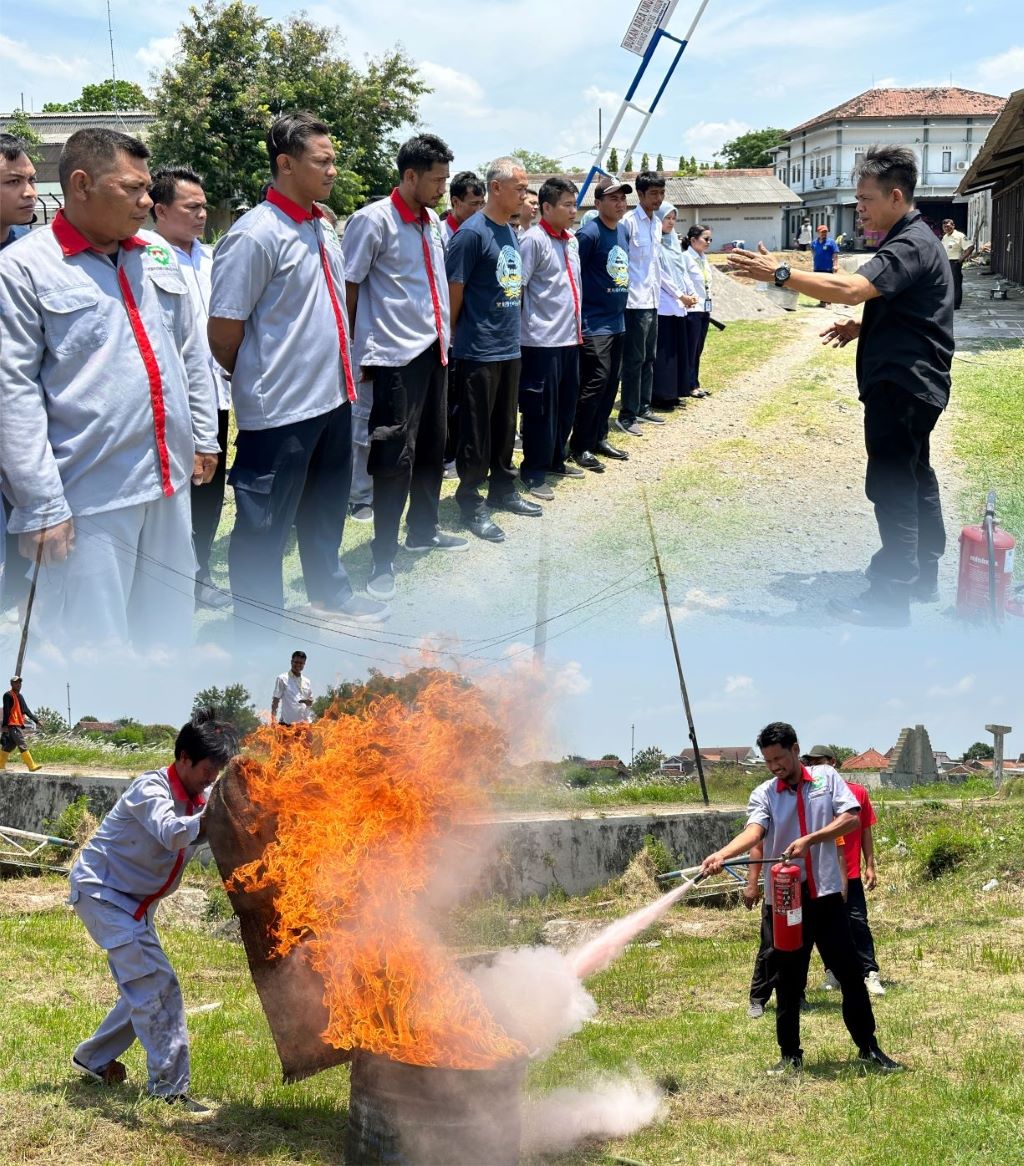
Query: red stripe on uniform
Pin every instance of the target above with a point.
(803, 831)
(350, 386)
(156, 385)
(178, 792)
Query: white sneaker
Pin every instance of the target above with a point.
(830, 983)
(873, 983)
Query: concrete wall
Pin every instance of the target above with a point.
(532, 856)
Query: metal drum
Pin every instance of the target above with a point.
(408, 1115)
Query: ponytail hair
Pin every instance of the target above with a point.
(694, 232)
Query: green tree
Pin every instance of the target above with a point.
(659, 165)
(628, 165)
(19, 125)
(352, 696)
(237, 70)
(103, 96)
(647, 761)
(50, 721)
(841, 753)
(233, 704)
(751, 149)
(645, 161)
(979, 751)
(534, 163)
(612, 161)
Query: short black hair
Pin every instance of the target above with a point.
(554, 189)
(649, 180)
(205, 737)
(95, 151)
(889, 166)
(290, 133)
(777, 733)
(693, 232)
(423, 152)
(530, 190)
(466, 182)
(164, 187)
(298, 652)
(12, 148)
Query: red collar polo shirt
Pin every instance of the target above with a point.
(551, 288)
(789, 813)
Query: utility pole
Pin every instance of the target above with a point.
(68, 687)
(632, 744)
(675, 651)
(998, 734)
(540, 631)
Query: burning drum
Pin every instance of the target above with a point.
(410, 1115)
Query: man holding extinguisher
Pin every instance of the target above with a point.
(799, 816)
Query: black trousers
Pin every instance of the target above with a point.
(641, 348)
(901, 484)
(208, 500)
(549, 385)
(826, 927)
(696, 334)
(600, 368)
(293, 474)
(672, 362)
(408, 425)
(957, 267)
(488, 394)
(451, 440)
(863, 940)
(762, 982)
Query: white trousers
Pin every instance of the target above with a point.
(149, 1008)
(130, 578)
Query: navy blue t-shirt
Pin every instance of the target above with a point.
(604, 275)
(484, 257)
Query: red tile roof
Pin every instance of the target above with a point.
(872, 759)
(938, 101)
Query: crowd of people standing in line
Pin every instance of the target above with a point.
(366, 360)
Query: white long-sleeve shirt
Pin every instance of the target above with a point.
(105, 395)
(647, 274)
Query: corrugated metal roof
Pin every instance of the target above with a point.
(1002, 155)
(719, 188)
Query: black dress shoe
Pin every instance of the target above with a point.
(587, 461)
(516, 504)
(606, 449)
(483, 526)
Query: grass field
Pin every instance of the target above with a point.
(674, 1007)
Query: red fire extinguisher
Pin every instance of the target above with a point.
(787, 914)
(986, 569)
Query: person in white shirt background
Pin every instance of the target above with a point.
(292, 702)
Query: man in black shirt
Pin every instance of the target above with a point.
(903, 362)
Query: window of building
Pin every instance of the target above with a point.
(858, 157)
(947, 161)
(828, 165)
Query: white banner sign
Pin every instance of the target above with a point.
(645, 22)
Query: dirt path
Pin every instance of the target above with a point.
(757, 495)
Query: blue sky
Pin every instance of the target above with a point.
(523, 74)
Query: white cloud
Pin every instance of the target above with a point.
(962, 686)
(453, 92)
(1004, 71)
(570, 680)
(705, 139)
(27, 60)
(157, 52)
(694, 601)
(735, 684)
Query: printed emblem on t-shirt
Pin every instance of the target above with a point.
(158, 254)
(435, 231)
(618, 266)
(509, 273)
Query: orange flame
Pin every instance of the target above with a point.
(364, 805)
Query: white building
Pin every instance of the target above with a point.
(944, 126)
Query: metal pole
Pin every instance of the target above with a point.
(68, 687)
(675, 650)
(28, 607)
(540, 631)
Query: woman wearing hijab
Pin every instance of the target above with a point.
(696, 245)
(671, 365)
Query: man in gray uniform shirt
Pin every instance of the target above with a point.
(277, 325)
(107, 405)
(799, 815)
(134, 860)
(397, 295)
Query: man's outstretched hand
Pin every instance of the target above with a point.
(841, 333)
(760, 264)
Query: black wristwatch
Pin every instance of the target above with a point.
(781, 275)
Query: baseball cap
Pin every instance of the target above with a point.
(608, 185)
(820, 751)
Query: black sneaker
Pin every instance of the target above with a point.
(651, 418)
(188, 1104)
(879, 1060)
(786, 1065)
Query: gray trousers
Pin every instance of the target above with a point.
(149, 1007)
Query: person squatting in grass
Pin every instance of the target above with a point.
(799, 816)
(136, 858)
(904, 355)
